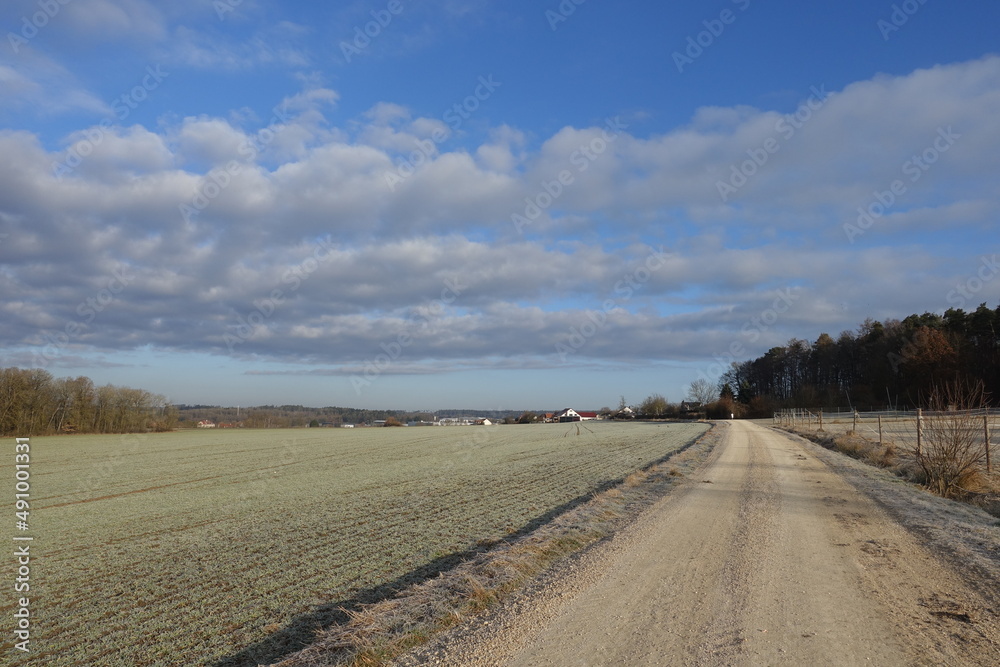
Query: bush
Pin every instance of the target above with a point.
(952, 442)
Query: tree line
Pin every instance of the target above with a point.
(882, 365)
(286, 416)
(32, 402)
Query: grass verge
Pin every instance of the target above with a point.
(377, 633)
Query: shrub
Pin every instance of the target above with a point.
(952, 442)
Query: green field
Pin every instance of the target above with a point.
(218, 547)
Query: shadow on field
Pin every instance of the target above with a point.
(301, 631)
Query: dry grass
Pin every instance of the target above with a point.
(852, 444)
(477, 594)
(856, 446)
(884, 457)
(636, 479)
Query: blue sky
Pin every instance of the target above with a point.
(482, 204)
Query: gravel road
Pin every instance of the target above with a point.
(768, 556)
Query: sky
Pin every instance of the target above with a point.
(475, 204)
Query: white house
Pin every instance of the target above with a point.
(571, 415)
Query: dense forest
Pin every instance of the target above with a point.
(882, 365)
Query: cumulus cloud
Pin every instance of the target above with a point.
(297, 248)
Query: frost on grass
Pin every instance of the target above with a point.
(203, 543)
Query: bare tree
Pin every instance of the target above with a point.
(702, 391)
(655, 405)
(32, 402)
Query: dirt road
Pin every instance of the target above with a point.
(767, 557)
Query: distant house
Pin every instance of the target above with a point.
(204, 423)
(484, 422)
(625, 413)
(690, 406)
(567, 415)
(571, 415)
(347, 426)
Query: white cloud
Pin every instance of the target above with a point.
(212, 50)
(209, 140)
(103, 20)
(34, 83)
(16, 85)
(388, 253)
(118, 152)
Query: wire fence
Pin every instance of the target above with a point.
(906, 430)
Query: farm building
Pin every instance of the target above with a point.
(204, 423)
(571, 415)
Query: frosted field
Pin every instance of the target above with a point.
(219, 547)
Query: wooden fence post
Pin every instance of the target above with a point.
(855, 421)
(880, 430)
(986, 434)
(821, 419)
(920, 428)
